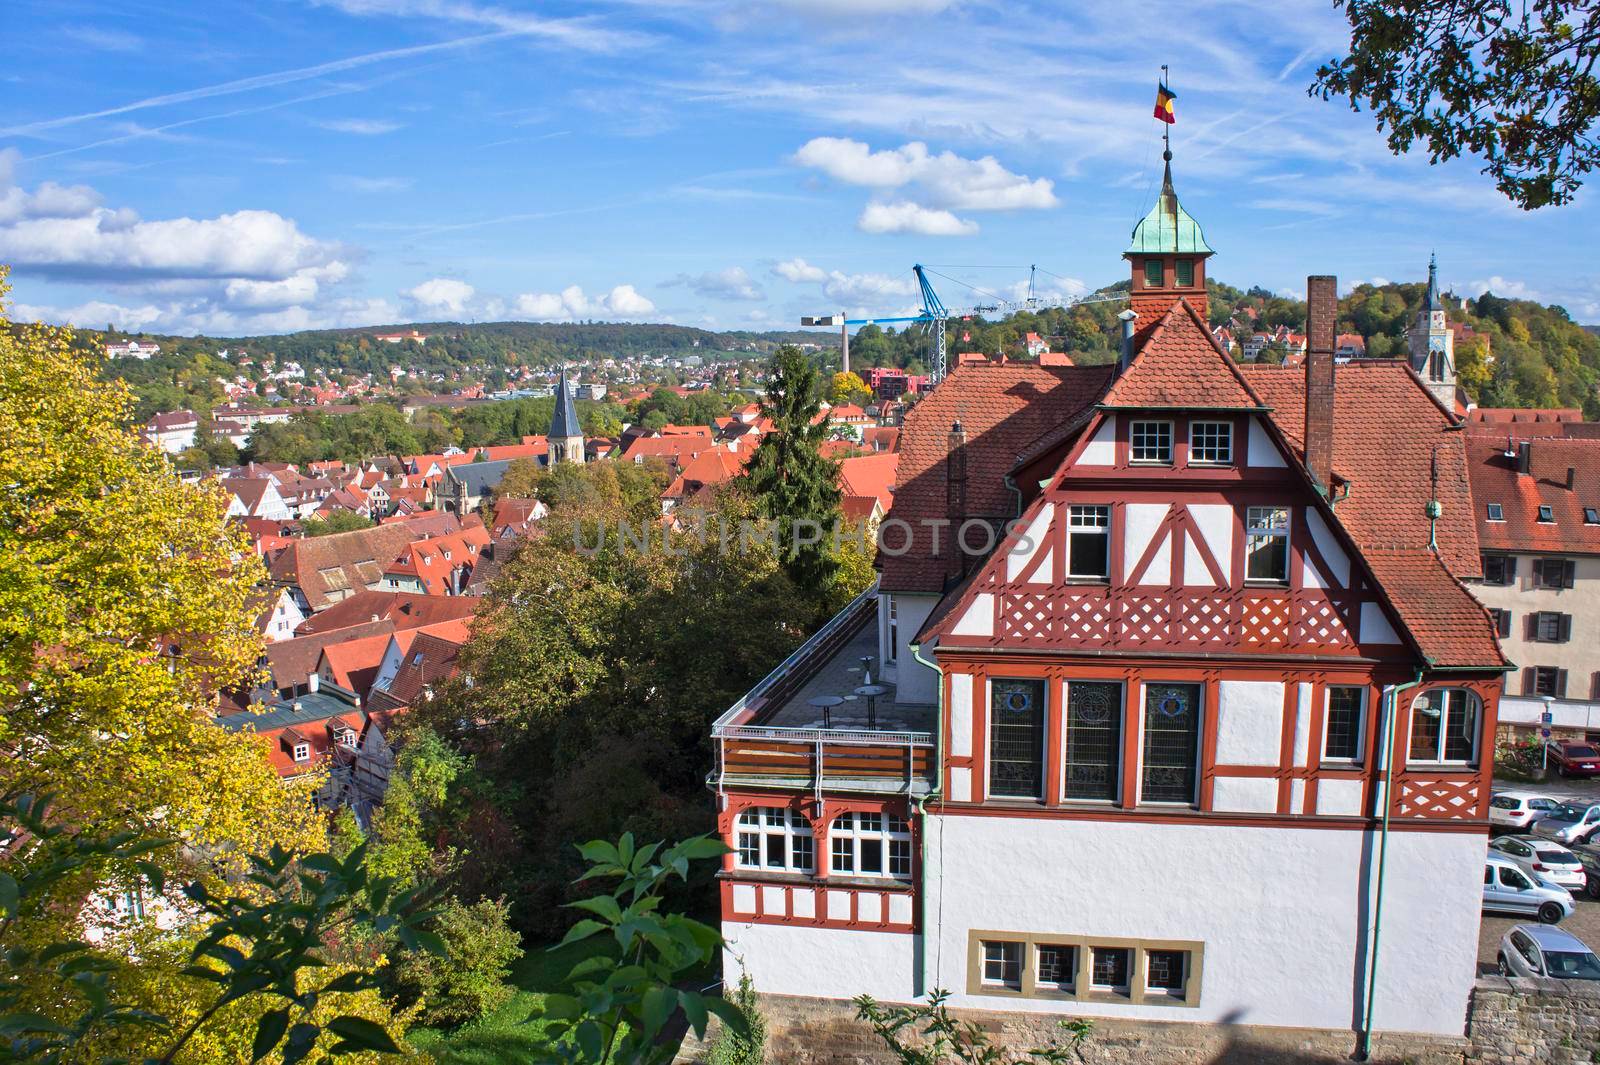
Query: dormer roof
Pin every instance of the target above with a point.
(1180, 365)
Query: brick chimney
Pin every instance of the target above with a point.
(955, 472)
(1322, 310)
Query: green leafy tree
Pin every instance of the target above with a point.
(337, 522)
(625, 990)
(1514, 84)
(792, 482)
(468, 980)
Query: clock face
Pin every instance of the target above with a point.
(1436, 343)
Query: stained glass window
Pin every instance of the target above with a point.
(1171, 742)
(1016, 739)
(1094, 739)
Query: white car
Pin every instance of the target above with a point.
(1544, 859)
(1516, 811)
(1508, 889)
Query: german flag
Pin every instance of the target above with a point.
(1164, 98)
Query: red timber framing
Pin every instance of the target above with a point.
(1429, 796)
(819, 899)
(1175, 606)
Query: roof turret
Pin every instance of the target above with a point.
(1168, 229)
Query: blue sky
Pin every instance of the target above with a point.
(263, 166)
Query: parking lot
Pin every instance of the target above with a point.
(1585, 922)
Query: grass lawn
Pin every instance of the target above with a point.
(505, 1036)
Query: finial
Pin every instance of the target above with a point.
(1167, 155)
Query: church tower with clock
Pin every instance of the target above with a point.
(1433, 345)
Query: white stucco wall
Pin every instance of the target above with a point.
(822, 962)
(915, 682)
(1277, 909)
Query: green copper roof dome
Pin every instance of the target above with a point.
(1168, 229)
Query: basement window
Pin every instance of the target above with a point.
(1002, 964)
(1109, 969)
(1496, 512)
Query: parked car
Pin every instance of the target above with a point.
(1589, 855)
(1574, 759)
(1515, 811)
(1542, 858)
(1536, 950)
(1569, 823)
(1508, 889)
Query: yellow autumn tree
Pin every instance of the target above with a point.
(125, 605)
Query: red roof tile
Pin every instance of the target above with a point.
(1180, 365)
(1495, 479)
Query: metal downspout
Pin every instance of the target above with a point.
(1392, 695)
(922, 815)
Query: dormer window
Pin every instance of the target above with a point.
(302, 752)
(1152, 273)
(1546, 513)
(1151, 442)
(1496, 512)
(1211, 443)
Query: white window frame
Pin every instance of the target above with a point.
(301, 752)
(1166, 992)
(1068, 986)
(1225, 441)
(891, 829)
(1475, 732)
(1079, 524)
(1021, 962)
(1361, 723)
(891, 614)
(1138, 428)
(759, 823)
(1254, 530)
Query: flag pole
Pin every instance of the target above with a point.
(1166, 127)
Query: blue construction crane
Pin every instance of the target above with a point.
(933, 316)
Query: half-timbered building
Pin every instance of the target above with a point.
(1169, 695)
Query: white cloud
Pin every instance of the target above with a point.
(946, 179)
(907, 217)
(1504, 287)
(365, 127)
(441, 295)
(798, 270)
(206, 316)
(356, 183)
(623, 301)
(730, 284)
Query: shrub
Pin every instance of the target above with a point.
(469, 980)
(747, 1047)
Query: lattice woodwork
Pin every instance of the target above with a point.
(1265, 621)
(1204, 620)
(1321, 622)
(1027, 617)
(1086, 619)
(1146, 620)
(1438, 798)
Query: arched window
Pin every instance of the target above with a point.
(771, 837)
(868, 844)
(1444, 726)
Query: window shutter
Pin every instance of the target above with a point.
(1594, 685)
(1566, 627)
(1531, 627)
(1530, 682)
(1505, 623)
(1511, 569)
(1569, 570)
(1561, 683)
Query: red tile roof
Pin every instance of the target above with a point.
(1003, 410)
(1495, 479)
(354, 664)
(870, 475)
(1180, 365)
(290, 662)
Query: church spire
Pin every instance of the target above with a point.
(1433, 284)
(566, 434)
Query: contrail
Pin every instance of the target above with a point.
(261, 81)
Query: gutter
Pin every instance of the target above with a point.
(922, 814)
(1392, 695)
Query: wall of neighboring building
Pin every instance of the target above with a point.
(1581, 602)
(914, 682)
(1278, 912)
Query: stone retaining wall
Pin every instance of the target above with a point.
(1513, 1022)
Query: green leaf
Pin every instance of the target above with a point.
(591, 1041)
(701, 847)
(731, 1015)
(602, 905)
(10, 896)
(269, 1031)
(659, 1003)
(694, 1007)
(599, 852)
(363, 1034)
(349, 982)
(582, 930)
(322, 863)
(560, 1008)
